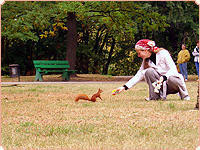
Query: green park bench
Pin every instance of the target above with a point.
(44, 67)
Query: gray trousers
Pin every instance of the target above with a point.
(173, 85)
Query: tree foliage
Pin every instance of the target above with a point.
(22, 20)
(106, 32)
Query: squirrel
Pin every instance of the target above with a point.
(85, 97)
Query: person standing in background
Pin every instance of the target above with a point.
(195, 53)
(183, 58)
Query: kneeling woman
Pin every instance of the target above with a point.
(159, 71)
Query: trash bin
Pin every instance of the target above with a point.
(14, 71)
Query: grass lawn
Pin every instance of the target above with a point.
(46, 116)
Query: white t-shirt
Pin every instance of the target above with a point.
(195, 53)
(164, 66)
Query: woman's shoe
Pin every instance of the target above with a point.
(147, 99)
(187, 98)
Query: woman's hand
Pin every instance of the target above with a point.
(118, 90)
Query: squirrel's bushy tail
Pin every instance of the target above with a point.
(76, 99)
(82, 96)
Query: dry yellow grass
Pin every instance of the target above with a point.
(46, 116)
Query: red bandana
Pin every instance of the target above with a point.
(146, 44)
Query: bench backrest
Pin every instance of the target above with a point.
(64, 64)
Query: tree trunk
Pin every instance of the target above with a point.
(96, 49)
(84, 61)
(3, 54)
(5, 49)
(105, 69)
(173, 38)
(71, 40)
(103, 44)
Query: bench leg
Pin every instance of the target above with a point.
(38, 76)
(65, 76)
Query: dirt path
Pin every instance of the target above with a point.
(69, 82)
